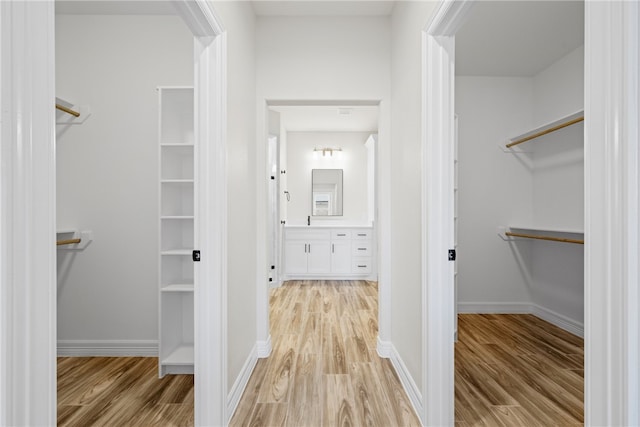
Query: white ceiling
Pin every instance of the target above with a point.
(322, 7)
(261, 7)
(115, 7)
(518, 38)
(326, 118)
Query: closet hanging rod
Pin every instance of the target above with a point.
(553, 239)
(546, 131)
(68, 242)
(67, 110)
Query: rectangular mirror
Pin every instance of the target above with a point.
(326, 192)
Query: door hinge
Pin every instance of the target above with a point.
(452, 254)
(196, 256)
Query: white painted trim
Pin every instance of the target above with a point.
(241, 383)
(559, 320)
(264, 348)
(611, 213)
(438, 142)
(384, 348)
(210, 291)
(112, 348)
(410, 387)
(27, 214)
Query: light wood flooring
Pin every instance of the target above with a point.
(121, 391)
(517, 370)
(324, 370)
(511, 370)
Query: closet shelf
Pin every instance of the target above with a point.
(538, 233)
(176, 144)
(177, 181)
(177, 217)
(180, 252)
(182, 355)
(69, 113)
(563, 122)
(178, 287)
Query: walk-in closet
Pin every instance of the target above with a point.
(125, 211)
(520, 205)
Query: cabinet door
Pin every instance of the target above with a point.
(341, 257)
(295, 256)
(319, 257)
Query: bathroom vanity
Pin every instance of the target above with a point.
(329, 252)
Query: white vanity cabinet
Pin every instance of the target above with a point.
(333, 253)
(307, 252)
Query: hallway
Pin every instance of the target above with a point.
(324, 369)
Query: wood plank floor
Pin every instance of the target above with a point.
(517, 370)
(324, 369)
(511, 370)
(121, 391)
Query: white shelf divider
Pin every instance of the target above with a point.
(178, 287)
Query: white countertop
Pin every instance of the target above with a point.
(328, 226)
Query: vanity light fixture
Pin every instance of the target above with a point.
(326, 151)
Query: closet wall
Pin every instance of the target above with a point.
(107, 174)
(541, 187)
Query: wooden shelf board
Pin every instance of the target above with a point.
(182, 355)
(178, 287)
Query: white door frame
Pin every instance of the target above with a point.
(612, 297)
(28, 205)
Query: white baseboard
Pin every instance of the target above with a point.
(233, 398)
(410, 387)
(263, 348)
(494, 308)
(113, 348)
(384, 348)
(563, 322)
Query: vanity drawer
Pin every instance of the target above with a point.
(361, 265)
(340, 234)
(361, 234)
(361, 248)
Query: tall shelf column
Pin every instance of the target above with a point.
(176, 211)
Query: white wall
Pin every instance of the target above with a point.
(238, 20)
(408, 20)
(107, 177)
(494, 189)
(352, 160)
(558, 189)
(544, 188)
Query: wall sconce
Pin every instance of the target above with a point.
(326, 151)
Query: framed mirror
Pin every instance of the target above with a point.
(326, 192)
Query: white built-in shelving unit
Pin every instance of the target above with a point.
(176, 230)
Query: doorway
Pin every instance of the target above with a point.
(37, 401)
(438, 42)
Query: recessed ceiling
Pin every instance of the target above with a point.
(322, 7)
(518, 38)
(328, 118)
